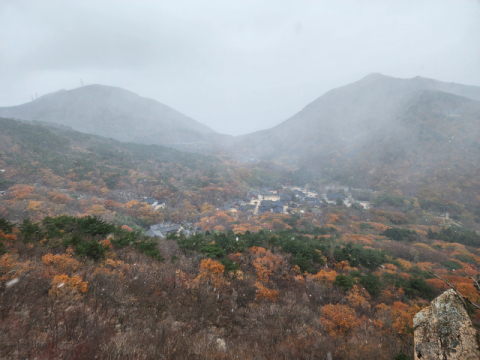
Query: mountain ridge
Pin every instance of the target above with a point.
(113, 112)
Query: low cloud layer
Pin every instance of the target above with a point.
(235, 66)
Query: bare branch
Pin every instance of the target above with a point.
(464, 299)
(475, 282)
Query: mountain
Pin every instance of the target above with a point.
(347, 115)
(112, 112)
(379, 130)
(45, 159)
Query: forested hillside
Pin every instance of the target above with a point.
(415, 136)
(52, 171)
(112, 112)
(344, 285)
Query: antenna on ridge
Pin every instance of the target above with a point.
(81, 82)
(36, 96)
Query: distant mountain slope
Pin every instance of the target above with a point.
(346, 115)
(112, 112)
(380, 131)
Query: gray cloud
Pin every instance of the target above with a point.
(235, 66)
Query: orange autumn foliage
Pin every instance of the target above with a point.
(257, 250)
(20, 192)
(402, 315)
(404, 264)
(437, 283)
(333, 218)
(358, 297)
(264, 293)
(10, 268)
(325, 276)
(59, 198)
(339, 320)
(110, 204)
(97, 210)
(211, 273)
(343, 265)
(379, 227)
(127, 228)
(7, 239)
(358, 238)
(469, 291)
(63, 286)
(107, 243)
(62, 263)
(266, 265)
(390, 268)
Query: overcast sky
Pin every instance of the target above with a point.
(236, 66)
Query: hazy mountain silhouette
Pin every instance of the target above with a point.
(112, 112)
(348, 117)
(382, 132)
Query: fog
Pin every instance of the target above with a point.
(238, 66)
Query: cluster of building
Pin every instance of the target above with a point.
(164, 229)
(257, 202)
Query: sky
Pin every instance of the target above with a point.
(236, 66)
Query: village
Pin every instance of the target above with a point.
(287, 200)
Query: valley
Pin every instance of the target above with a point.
(127, 228)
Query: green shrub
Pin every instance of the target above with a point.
(345, 282)
(452, 265)
(372, 283)
(92, 249)
(364, 226)
(401, 356)
(400, 234)
(6, 226)
(357, 255)
(31, 231)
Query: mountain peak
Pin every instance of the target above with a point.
(375, 76)
(113, 112)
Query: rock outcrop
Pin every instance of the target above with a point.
(444, 331)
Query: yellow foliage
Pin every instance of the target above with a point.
(97, 210)
(131, 204)
(424, 246)
(206, 208)
(34, 206)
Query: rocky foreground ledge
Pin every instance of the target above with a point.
(444, 331)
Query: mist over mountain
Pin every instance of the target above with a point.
(349, 115)
(112, 112)
(380, 131)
